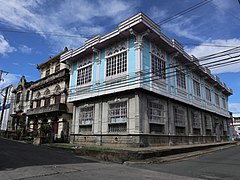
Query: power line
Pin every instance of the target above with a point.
(185, 11)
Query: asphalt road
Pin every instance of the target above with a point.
(223, 164)
(29, 162)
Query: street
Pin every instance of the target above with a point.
(218, 165)
(26, 161)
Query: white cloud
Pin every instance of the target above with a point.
(234, 107)
(25, 49)
(215, 46)
(5, 47)
(37, 16)
(183, 27)
(15, 63)
(9, 79)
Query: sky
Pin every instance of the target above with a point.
(33, 30)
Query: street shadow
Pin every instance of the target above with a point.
(15, 155)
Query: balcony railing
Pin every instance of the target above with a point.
(48, 109)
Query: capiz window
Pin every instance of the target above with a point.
(118, 112)
(84, 72)
(208, 94)
(86, 115)
(181, 80)
(156, 112)
(158, 61)
(116, 59)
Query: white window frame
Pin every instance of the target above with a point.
(181, 80)
(88, 120)
(156, 112)
(208, 95)
(179, 118)
(217, 101)
(88, 62)
(196, 86)
(159, 56)
(114, 51)
(123, 118)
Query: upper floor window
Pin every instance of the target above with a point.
(156, 112)
(84, 72)
(208, 95)
(27, 95)
(158, 62)
(181, 80)
(217, 99)
(57, 97)
(196, 85)
(224, 103)
(47, 71)
(57, 67)
(18, 97)
(48, 98)
(116, 59)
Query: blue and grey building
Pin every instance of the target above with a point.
(136, 87)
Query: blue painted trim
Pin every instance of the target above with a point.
(146, 60)
(102, 67)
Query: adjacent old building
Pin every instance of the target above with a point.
(50, 112)
(22, 102)
(136, 87)
(6, 107)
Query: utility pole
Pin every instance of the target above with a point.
(3, 105)
(1, 73)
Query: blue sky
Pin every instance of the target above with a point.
(33, 30)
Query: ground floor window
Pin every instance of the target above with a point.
(196, 131)
(86, 119)
(180, 130)
(85, 128)
(118, 117)
(117, 127)
(156, 128)
(156, 112)
(179, 117)
(208, 132)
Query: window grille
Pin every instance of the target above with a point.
(84, 75)
(157, 128)
(179, 117)
(208, 122)
(156, 113)
(208, 95)
(217, 99)
(86, 115)
(196, 118)
(116, 64)
(181, 80)
(118, 117)
(224, 103)
(196, 88)
(158, 66)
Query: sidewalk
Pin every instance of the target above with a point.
(128, 154)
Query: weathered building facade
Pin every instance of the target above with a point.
(50, 111)
(136, 87)
(22, 102)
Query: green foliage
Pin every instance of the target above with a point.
(45, 128)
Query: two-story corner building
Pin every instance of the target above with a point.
(20, 106)
(6, 107)
(49, 99)
(136, 87)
